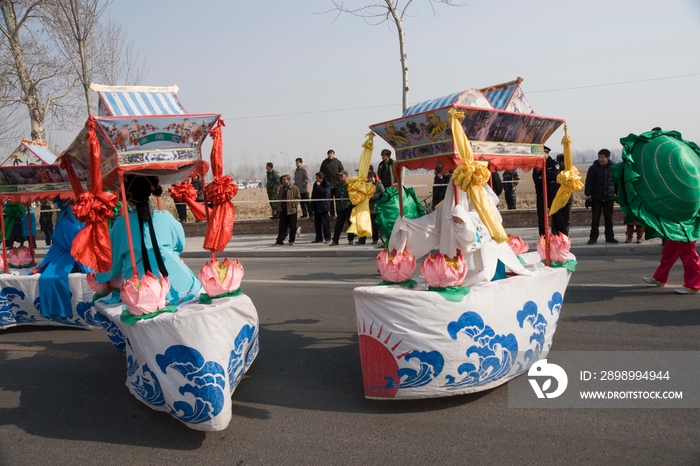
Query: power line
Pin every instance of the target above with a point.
(530, 92)
(615, 84)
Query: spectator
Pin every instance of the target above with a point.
(552, 168)
(319, 208)
(14, 212)
(46, 221)
(330, 169)
(289, 206)
(344, 210)
(273, 189)
(510, 181)
(600, 191)
(378, 193)
(440, 182)
(197, 183)
(386, 168)
(495, 181)
(301, 181)
(29, 221)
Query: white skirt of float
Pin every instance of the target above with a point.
(415, 343)
(20, 303)
(188, 363)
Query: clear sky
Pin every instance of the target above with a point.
(329, 78)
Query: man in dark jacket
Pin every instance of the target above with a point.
(330, 169)
(510, 181)
(319, 209)
(600, 191)
(344, 210)
(552, 188)
(288, 208)
(385, 170)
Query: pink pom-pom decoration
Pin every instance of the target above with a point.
(396, 267)
(147, 296)
(517, 244)
(218, 278)
(559, 246)
(440, 271)
(20, 257)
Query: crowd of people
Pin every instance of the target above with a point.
(323, 198)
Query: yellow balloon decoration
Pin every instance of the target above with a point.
(569, 179)
(360, 191)
(470, 177)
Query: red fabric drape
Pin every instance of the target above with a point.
(92, 246)
(220, 192)
(185, 192)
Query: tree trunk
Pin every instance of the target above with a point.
(31, 97)
(402, 50)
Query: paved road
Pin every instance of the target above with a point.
(63, 399)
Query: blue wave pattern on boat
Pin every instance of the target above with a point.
(238, 362)
(208, 383)
(84, 319)
(113, 333)
(252, 350)
(430, 366)
(496, 353)
(8, 295)
(530, 314)
(146, 385)
(132, 365)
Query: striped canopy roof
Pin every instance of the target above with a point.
(138, 100)
(30, 153)
(498, 96)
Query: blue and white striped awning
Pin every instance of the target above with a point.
(500, 98)
(43, 153)
(433, 104)
(141, 103)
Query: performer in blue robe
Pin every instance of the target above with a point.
(151, 231)
(54, 292)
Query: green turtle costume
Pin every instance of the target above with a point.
(659, 179)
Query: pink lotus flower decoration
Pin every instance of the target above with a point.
(219, 278)
(441, 271)
(517, 244)
(20, 257)
(145, 297)
(559, 246)
(396, 267)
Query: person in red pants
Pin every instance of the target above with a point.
(691, 266)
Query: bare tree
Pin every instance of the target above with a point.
(72, 23)
(391, 10)
(32, 77)
(116, 59)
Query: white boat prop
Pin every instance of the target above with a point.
(187, 359)
(499, 316)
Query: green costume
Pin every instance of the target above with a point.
(659, 179)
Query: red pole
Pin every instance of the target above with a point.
(4, 246)
(125, 212)
(546, 212)
(29, 232)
